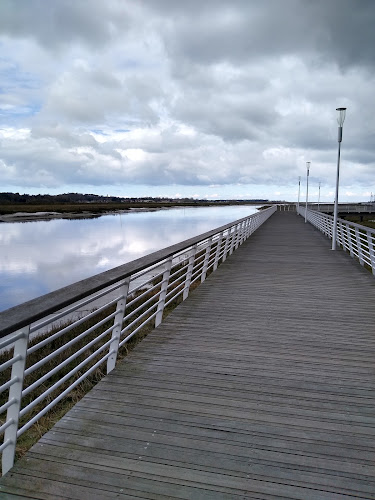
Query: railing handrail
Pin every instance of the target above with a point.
(33, 310)
(354, 238)
(343, 221)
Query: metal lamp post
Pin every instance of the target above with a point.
(299, 191)
(319, 198)
(307, 187)
(340, 120)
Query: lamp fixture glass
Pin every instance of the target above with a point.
(341, 116)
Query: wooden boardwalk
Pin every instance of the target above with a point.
(260, 386)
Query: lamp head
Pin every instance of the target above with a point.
(341, 116)
(308, 167)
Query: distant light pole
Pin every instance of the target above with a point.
(319, 197)
(299, 191)
(340, 120)
(307, 187)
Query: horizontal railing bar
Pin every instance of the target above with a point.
(141, 306)
(63, 394)
(70, 327)
(36, 309)
(68, 360)
(141, 286)
(11, 340)
(66, 377)
(10, 362)
(137, 329)
(69, 344)
(176, 295)
(5, 445)
(138, 297)
(7, 405)
(8, 384)
(178, 279)
(179, 270)
(5, 426)
(137, 319)
(97, 296)
(173, 291)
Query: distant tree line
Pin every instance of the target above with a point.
(44, 199)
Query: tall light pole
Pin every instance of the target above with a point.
(307, 187)
(319, 197)
(340, 120)
(299, 191)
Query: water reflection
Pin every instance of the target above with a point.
(38, 257)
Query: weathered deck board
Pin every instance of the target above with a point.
(261, 386)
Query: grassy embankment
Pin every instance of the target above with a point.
(367, 220)
(46, 422)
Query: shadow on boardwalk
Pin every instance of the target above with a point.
(261, 385)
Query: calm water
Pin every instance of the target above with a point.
(39, 257)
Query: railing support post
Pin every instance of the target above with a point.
(206, 258)
(226, 246)
(217, 253)
(243, 231)
(239, 235)
(116, 332)
(189, 272)
(15, 395)
(163, 292)
(371, 252)
(349, 240)
(234, 239)
(359, 246)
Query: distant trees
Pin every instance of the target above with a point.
(69, 198)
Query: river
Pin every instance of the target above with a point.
(41, 256)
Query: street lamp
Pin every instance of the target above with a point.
(299, 190)
(340, 120)
(319, 197)
(307, 187)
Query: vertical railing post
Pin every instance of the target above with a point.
(206, 258)
(370, 243)
(239, 235)
(116, 332)
(189, 272)
(243, 231)
(217, 253)
(349, 239)
(359, 246)
(248, 226)
(234, 239)
(15, 395)
(226, 246)
(163, 292)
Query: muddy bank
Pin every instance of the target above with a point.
(45, 216)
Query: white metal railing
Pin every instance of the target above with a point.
(38, 372)
(356, 239)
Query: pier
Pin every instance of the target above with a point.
(260, 385)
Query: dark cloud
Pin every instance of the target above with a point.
(56, 23)
(212, 31)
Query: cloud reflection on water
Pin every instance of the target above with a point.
(38, 257)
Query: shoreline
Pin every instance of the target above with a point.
(47, 215)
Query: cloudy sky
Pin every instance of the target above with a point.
(210, 98)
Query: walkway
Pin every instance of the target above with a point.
(260, 386)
